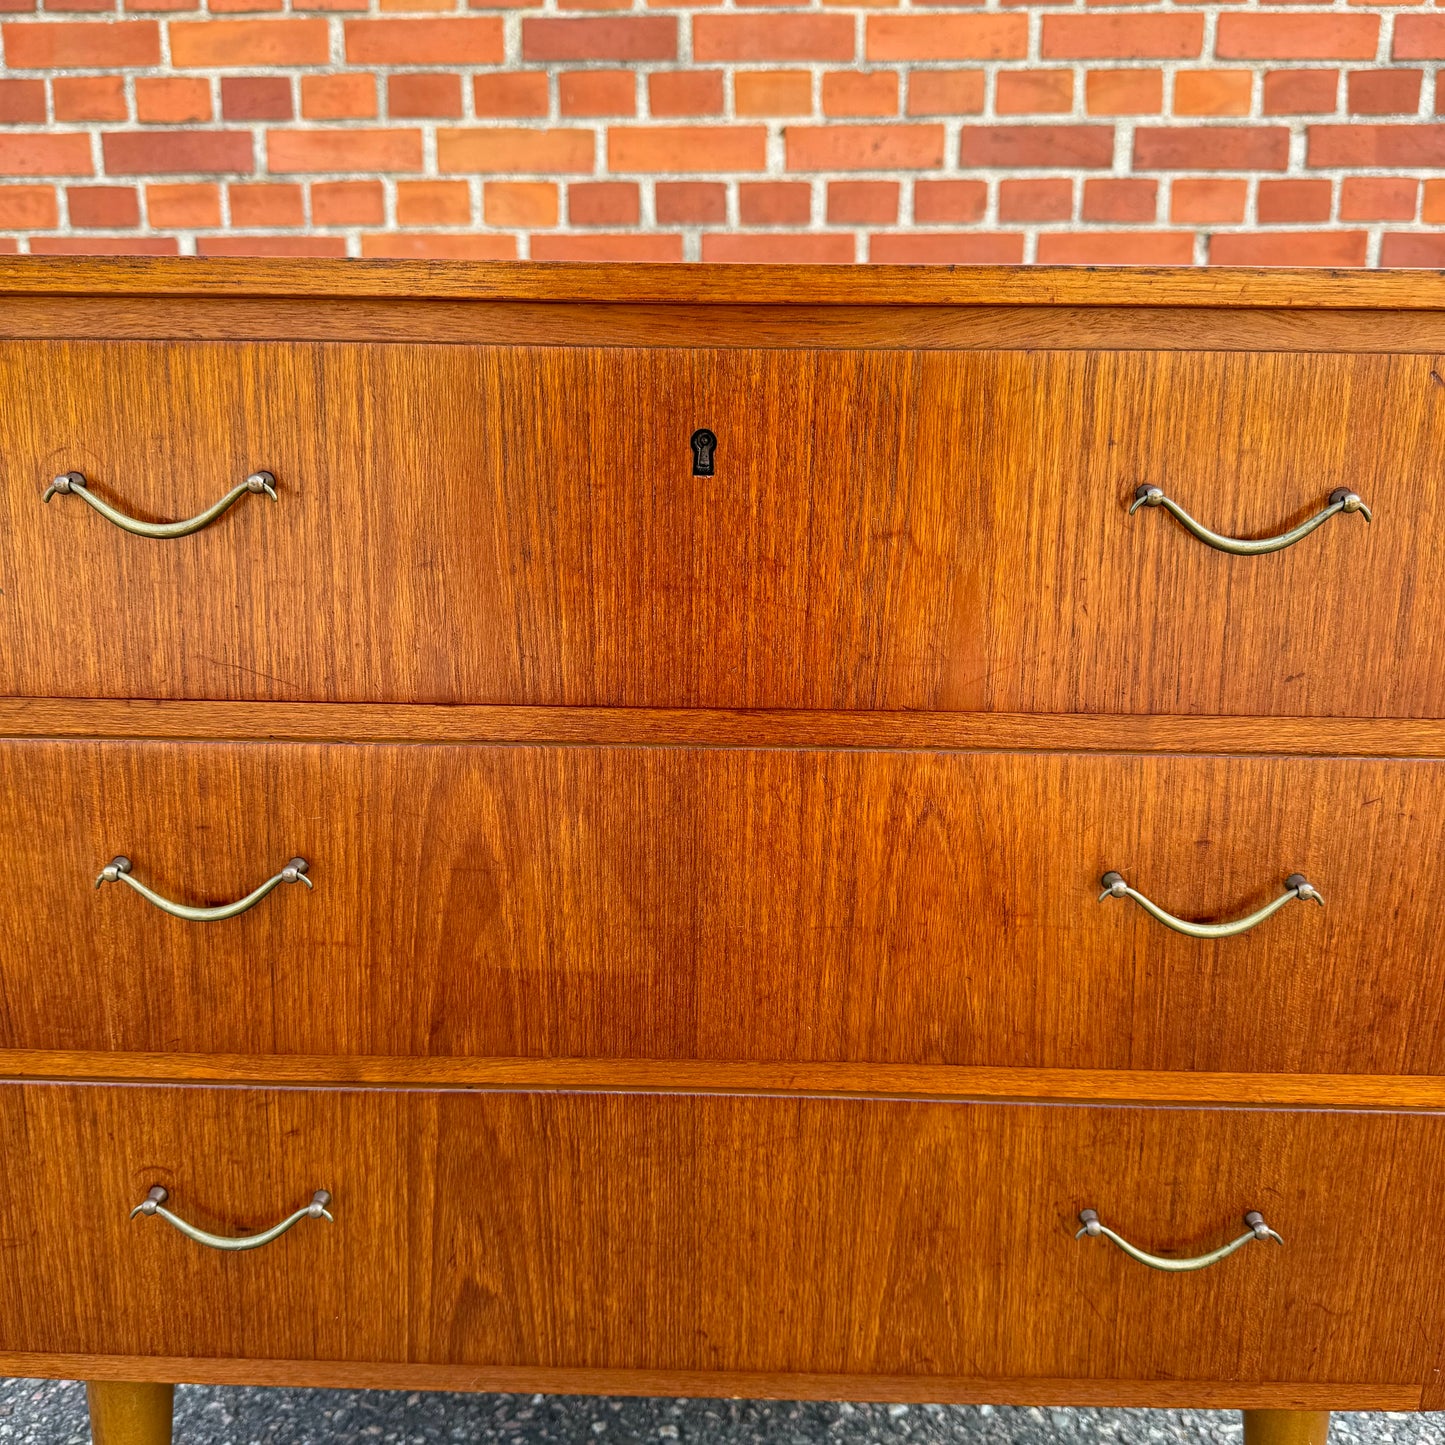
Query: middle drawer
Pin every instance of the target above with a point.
(722, 903)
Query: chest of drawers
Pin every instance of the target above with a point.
(794, 832)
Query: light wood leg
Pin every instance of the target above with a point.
(126, 1413)
(1286, 1427)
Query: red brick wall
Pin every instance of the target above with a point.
(723, 130)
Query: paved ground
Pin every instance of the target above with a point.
(44, 1412)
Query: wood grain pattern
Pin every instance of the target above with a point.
(1142, 1088)
(718, 1384)
(712, 727)
(724, 904)
(714, 1234)
(776, 324)
(887, 530)
(790, 285)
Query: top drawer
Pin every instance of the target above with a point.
(883, 529)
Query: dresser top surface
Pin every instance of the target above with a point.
(726, 284)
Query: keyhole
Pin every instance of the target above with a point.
(703, 444)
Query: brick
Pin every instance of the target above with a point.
(772, 37)
(685, 92)
(1415, 146)
(266, 203)
(1378, 198)
(862, 203)
(687, 148)
(1212, 148)
(809, 246)
(1206, 200)
(1293, 202)
(238, 7)
(947, 37)
(1407, 249)
(942, 249)
(1116, 248)
(1383, 92)
(98, 97)
(438, 203)
(256, 97)
(1288, 248)
(1440, 92)
(507, 148)
(470, 40)
(1058, 146)
(597, 92)
(1432, 203)
(773, 92)
(1297, 37)
(607, 248)
(104, 246)
(775, 203)
(244, 44)
(28, 208)
(338, 97)
(630, 37)
(185, 207)
(270, 246)
(412, 95)
(1128, 37)
(347, 203)
(33, 154)
(1034, 92)
(1036, 200)
(690, 203)
(1213, 92)
(1419, 37)
(1109, 198)
(945, 92)
(949, 202)
(454, 247)
(855, 92)
(22, 102)
(172, 100)
(103, 208)
(864, 147)
(1124, 92)
(520, 204)
(520, 93)
(1300, 92)
(603, 203)
(343, 150)
(81, 44)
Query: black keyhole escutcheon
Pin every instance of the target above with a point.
(703, 445)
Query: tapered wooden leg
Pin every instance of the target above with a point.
(124, 1413)
(1286, 1427)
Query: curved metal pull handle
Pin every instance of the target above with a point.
(1342, 499)
(154, 1203)
(118, 871)
(1296, 885)
(1254, 1223)
(74, 483)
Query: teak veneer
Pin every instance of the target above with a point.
(704, 985)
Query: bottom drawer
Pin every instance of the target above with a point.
(730, 1234)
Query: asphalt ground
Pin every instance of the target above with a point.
(50, 1412)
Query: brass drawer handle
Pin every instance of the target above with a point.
(74, 483)
(1342, 499)
(118, 871)
(1254, 1223)
(154, 1203)
(1296, 886)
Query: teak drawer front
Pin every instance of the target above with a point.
(885, 529)
(723, 1233)
(718, 903)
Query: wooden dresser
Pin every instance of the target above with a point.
(724, 831)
